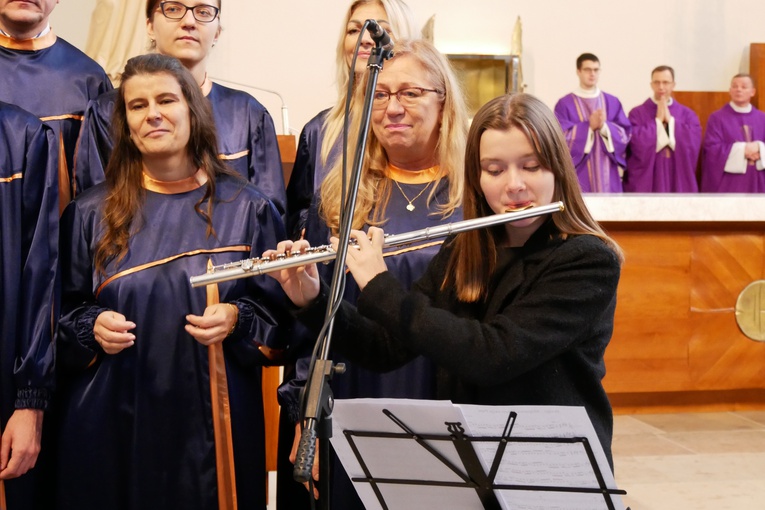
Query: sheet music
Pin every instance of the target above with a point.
(546, 464)
(552, 464)
(399, 458)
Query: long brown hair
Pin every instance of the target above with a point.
(124, 172)
(374, 188)
(468, 269)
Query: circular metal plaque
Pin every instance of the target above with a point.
(750, 311)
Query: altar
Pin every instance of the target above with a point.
(676, 343)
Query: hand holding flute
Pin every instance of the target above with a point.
(301, 283)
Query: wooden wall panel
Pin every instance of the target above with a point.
(722, 265)
(675, 331)
(720, 357)
(702, 102)
(288, 150)
(757, 70)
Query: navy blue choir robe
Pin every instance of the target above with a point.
(53, 80)
(246, 140)
(28, 252)
(136, 429)
(416, 379)
(308, 173)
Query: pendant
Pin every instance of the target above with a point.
(410, 207)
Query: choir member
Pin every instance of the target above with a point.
(411, 179)
(28, 251)
(246, 136)
(48, 77)
(137, 415)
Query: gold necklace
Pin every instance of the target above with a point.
(410, 207)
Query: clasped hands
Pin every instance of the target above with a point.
(113, 331)
(752, 151)
(597, 119)
(301, 283)
(662, 110)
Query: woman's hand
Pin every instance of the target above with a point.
(366, 261)
(301, 284)
(218, 321)
(20, 443)
(112, 332)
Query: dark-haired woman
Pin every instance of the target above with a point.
(247, 141)
(136, 413)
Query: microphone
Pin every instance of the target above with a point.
(379, 35)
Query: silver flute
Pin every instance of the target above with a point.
(325, 253)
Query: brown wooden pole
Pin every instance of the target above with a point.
(221, 411)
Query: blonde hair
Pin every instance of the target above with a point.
(474, 257)
(374, 188)
(402, 25)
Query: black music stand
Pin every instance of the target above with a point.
(458, 479)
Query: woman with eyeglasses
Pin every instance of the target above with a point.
(412, 178)
(320, 141)
(138, 350)
(247, 141)
(516, 314)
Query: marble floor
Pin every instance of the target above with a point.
(699, 461)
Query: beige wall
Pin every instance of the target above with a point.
(288, 46)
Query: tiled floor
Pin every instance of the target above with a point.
(699, 461)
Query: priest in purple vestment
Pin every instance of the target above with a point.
(597, 130)
(666, 137)
(733, 150)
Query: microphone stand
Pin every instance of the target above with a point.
(317, 392)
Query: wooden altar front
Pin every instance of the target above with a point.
(676, 343)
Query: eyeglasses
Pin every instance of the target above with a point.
(176, 10)
(407, 97)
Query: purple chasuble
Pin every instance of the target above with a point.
(669, 170)
(725, 127)
(598, 170)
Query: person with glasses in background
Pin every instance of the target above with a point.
(411, 178)
(597, 130)
(246, 136)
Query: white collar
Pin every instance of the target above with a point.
(741, 109)
(669, 103)
(579, 91)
